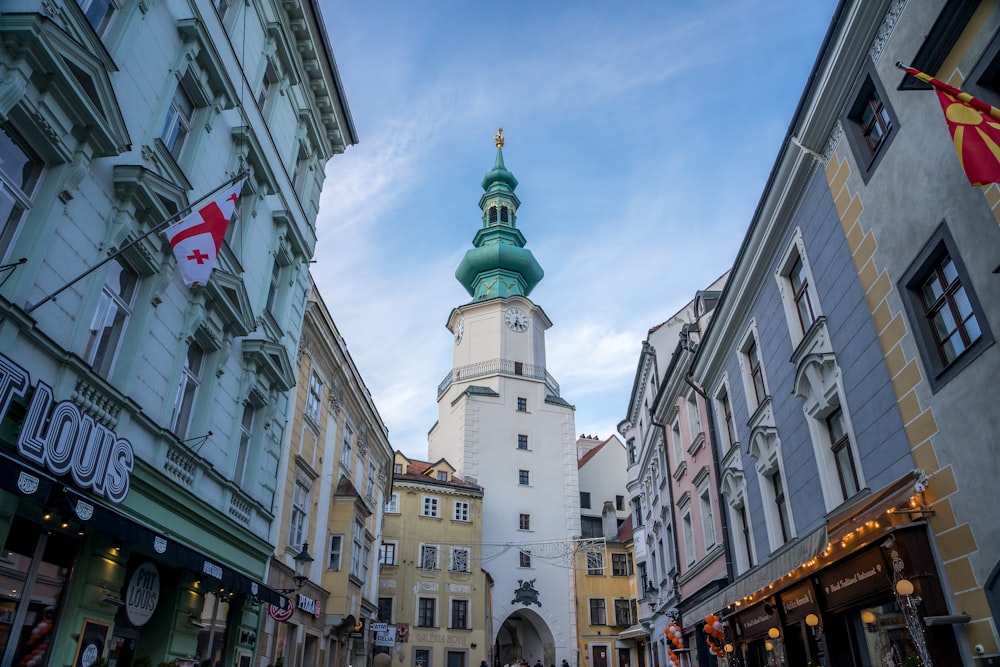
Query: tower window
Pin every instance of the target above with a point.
(503, 214)
(493, 214)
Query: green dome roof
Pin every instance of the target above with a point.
(499, 265)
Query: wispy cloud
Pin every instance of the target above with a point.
(637, 173)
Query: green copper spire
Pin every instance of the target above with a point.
(499, 265)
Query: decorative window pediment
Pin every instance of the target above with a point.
(282, 53)
(145, 200)
(732, 486)
(764, 447)
(227, 296)
(77, 100)
(250, 158)
(293, 243)
(816, 383)
(271, 360)
(213, 87)
(816, 340)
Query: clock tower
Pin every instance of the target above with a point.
(503, 424)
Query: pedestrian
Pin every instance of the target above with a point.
(538, 663)
(564, 663)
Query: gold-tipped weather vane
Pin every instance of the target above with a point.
(498, 138)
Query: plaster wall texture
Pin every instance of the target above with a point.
(919, 184)
(870, 402)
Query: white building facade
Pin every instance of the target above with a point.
(504, 426)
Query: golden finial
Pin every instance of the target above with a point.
(498, 137)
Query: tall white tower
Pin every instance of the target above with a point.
(503, 425)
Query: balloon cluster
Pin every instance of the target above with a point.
(675, 637)
(715, 635)
(37, 642)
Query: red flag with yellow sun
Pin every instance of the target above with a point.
(974, 127)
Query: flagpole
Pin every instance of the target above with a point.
(29, 307)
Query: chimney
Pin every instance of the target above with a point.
(609, 521)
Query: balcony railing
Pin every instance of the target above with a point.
(498, 367)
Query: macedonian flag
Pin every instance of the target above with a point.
(974, 127)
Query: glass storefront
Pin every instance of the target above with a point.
(35, 566)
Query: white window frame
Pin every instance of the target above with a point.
(387, 549)
(723, 391)
(695, 427)
(676, 442)
(796, 250)
(111, 318)
(357, 549)
(416, 612)
(687, 525)
(392, 507)
(451, 613)
(335, 552)
(751, 339)
(601, 607)
(178, 123)
(298, 520)
(430, 506)
(246, 440)
(707, 517)
(187, 390)
(745, 551)
(346, 448)
(18, 187)
(314, 398)
(370, 483)
(461, 511)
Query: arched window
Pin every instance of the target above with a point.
(503, 214)
(493, 214)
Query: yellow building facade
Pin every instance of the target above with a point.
(433, 592)
(606, 594)
(337, 475)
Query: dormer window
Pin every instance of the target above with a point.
(442, 476)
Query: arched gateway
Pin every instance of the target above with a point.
(525, 635)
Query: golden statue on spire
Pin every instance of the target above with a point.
(498, 137)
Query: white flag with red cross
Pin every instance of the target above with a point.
(197, 238)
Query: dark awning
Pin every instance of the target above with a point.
(162, 547)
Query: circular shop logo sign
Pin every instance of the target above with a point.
(142, 595)
(279, 614)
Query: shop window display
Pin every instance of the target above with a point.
(34, 566)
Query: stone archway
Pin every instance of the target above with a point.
(525, 635)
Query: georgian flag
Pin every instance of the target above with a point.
(196, 239)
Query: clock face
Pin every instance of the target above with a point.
(515, 319)
(459, 331)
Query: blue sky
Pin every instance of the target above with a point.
(641, 133)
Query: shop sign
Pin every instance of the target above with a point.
(755, 622)
(309, 606)
(142, 594)
(798, 602)
(65, 440)
(384, 637)
(279, 614)
(359, 629)
(854, 579)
